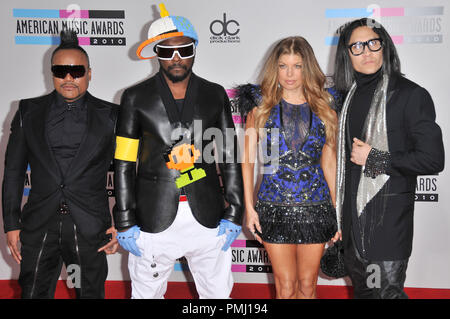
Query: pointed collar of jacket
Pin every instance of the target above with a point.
(187, 113)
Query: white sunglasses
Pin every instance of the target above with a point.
(167, 52)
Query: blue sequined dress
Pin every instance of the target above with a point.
(293, 202)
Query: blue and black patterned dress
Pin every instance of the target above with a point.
(293, 202)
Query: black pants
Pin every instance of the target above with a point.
(375, 279)
(42, 262)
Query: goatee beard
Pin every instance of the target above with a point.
(176, 78)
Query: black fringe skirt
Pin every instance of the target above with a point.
(297, 224)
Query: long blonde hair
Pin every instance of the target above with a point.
(313, 84)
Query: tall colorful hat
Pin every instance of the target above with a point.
(164, 28)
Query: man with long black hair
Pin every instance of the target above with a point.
(67, 138)
(387, 136)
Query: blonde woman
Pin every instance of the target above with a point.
(293, 216)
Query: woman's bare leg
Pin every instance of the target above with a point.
(308, 263)
(283, 258)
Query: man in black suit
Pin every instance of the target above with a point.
(174, 207)
(67, 138)
(387, 136)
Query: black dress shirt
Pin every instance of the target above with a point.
(66, 125)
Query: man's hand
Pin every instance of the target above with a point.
(13, 238)
(231, 230)
(360, 152)
(111, 247)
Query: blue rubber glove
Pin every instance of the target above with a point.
(231, 229)
(127, 240)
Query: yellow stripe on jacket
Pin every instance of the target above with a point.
(126, 149)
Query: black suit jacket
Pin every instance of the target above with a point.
(416, 147)
(150, 199)
(84, 184)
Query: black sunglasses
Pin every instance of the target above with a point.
(75, 71)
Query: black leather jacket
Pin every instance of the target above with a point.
(149, 198)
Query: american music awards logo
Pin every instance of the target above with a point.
(94, 27)
(427, 189)
(248, 256)
(234, 108)
(406, 25)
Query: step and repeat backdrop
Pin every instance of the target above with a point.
(235, 37)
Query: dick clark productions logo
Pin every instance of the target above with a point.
(224, 31)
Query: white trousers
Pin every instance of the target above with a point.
(209, 264)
